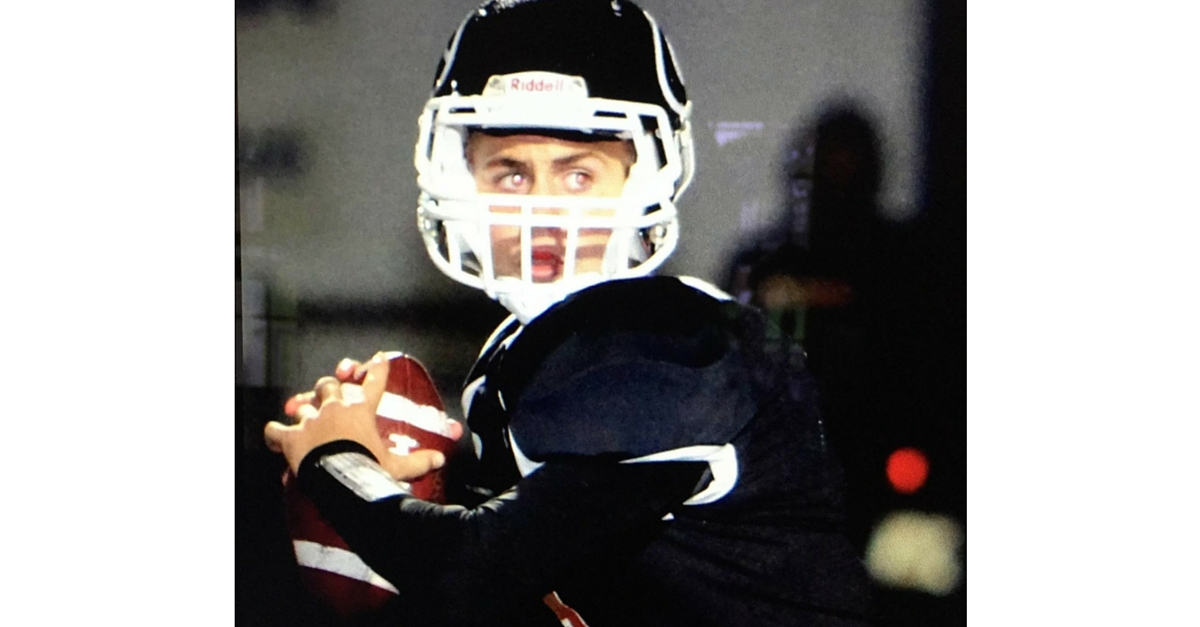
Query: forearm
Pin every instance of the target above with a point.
(470, 562)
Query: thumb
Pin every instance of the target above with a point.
(414, 465)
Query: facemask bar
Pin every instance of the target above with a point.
(465, 227)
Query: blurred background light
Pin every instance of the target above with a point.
(916, 551)
(907, 470)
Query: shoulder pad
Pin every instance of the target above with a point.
(627, 367)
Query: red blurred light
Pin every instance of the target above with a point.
(907, 470)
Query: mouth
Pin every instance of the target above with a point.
(547, 264)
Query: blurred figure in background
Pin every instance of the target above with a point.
(825, 274)
(858, 294)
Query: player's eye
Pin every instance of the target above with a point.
(511, 182)
(578, 181)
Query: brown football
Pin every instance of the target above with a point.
(410, 416)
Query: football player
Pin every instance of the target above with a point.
(645, 454)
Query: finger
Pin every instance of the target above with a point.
(326, 389)
(275, 433)
(346, 370)
(277, 437)
(293, 404)
(307, 412)
(376, 380)
(414, 465)
(455, 429)
(360, 369)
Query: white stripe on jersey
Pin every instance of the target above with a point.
(722, 462)
(338, 561)
(704, 286)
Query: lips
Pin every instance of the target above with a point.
(547, 262)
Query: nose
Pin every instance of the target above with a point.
(541, 187)
(546, 185)
(557, 234)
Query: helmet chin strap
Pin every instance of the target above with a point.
(526, 306)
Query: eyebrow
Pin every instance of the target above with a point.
(560, 162)
(504, 162)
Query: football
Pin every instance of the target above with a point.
(410, 416)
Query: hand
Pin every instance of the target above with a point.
(325, 416)
(348, 371)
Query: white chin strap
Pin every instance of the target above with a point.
(526, 305)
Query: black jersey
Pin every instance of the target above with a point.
(648, 452)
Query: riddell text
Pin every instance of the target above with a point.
(536, 85)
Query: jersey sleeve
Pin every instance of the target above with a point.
(455, 565)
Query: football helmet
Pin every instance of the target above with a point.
(574, 69)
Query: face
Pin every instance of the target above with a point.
(548, 166)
